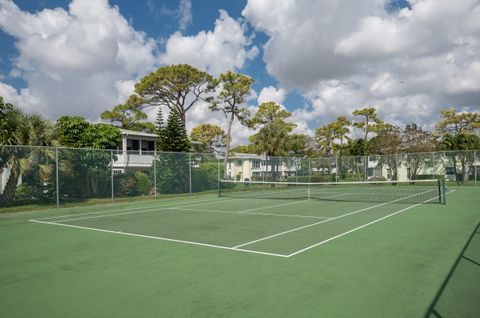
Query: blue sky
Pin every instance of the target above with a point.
(320, 59)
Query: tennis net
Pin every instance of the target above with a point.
(414, 191)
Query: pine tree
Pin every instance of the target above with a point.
(173, 137)
(159, 128)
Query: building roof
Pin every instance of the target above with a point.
(238, 155)
(136, 133)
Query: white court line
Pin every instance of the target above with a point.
(359, 227)
(127, 209)
(160, 208)
(327, 220)
(257, 213)
(159, 238)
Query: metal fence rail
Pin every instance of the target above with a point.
(60, 175)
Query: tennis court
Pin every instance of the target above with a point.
(269, 218)
(257, 250)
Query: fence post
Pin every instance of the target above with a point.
(433, 165)
(155, 173)
(190, 172)
(475, 159)
(336, 168)
(111, 171)
(309, 169)
(56, 177)
(218, 176)
(365, 167)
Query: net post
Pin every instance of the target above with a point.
(111, 172)
(443, 191)
(190, 172)
(56, 177)
(155, 173)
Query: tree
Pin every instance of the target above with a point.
(172, 168)
(369, 121)
(331, 137)
(464, 141)
(209, 135)
(86, 172)
(130, 115)
(75, 131)
(174, 135)
(234, 91)
(454, 123)
(268, 113)
(244, 149)
(388, 143)
(34, 165)
(5, 133)
(415, 143)
(325, 137)
(459, 131)
(273, 137)
(301, 145)
(177, 87)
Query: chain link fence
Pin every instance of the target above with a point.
(59, 176)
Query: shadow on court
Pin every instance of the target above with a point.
(459, 293)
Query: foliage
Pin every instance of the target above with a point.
(452, 122)
(86, 173)
(75, 131)
(172, 172)
(244, 149)
(130, 115)
(369, 121)
(36, 163)
(209, 135)
(268, 113)
(330, 137)
(356, 147)
(466, 160)
(132, 184)
(178, 87)
(233, 94)
(5, 109)
(388, 141)
(301, 145)
(205, 176)
(173, 136)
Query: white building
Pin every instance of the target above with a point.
(136, 151)
(242, 166)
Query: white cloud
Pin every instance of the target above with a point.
(343, 55)
(185, 14)
(73, 60)
(272, 94)
(223, 49)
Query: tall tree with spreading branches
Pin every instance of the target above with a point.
(177, 87)
(234, 90)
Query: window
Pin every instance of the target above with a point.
(151, 145)
(256, 163)
(133, 144)
(144, 144)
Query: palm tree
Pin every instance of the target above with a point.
(26, 130)
(273, 139)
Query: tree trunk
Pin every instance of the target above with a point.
(227, 146)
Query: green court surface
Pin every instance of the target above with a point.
(205, 256)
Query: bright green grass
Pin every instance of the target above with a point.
(392, 268)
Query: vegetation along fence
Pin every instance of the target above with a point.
(57, 176)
